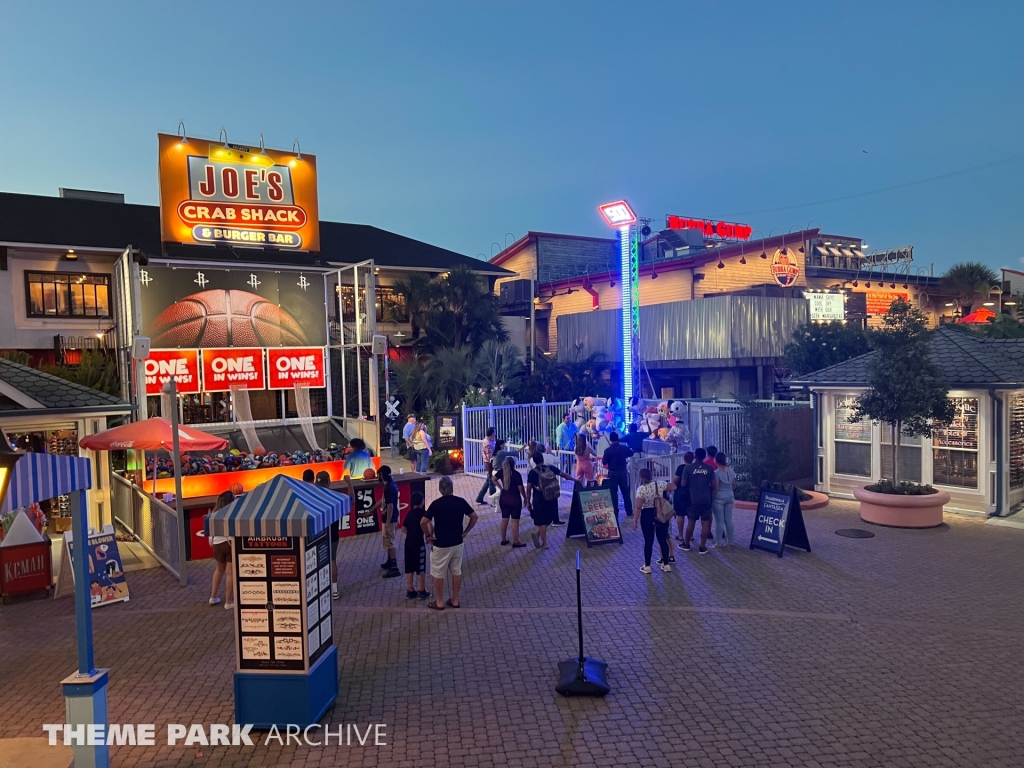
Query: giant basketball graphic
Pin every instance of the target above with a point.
(226, 318)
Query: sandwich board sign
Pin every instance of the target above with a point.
(779, 523)
(593, 515)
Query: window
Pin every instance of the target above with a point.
(955, 460)
(852, 440)
(910, 456)
(1016, 441)
(66, 294)
(388, 305)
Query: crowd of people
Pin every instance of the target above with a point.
(701, 490)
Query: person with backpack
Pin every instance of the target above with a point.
(543, 490)
(722, 504)
(699, 479)
(653, 514)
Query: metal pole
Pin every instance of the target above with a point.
(533, 318)
(83, 601)
(171, 387)
(359, 341)
(579, 605)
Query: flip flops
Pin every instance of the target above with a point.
(449, 603)
(432, 605)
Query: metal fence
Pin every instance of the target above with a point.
(154, 523)
(517, 424)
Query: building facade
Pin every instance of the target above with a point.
(978, 458)
(716, 311)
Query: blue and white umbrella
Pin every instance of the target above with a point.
(40, 476)
(283, 506)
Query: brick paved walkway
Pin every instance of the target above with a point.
(900, 650)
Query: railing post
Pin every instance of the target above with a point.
(490, 413)
(544, 418)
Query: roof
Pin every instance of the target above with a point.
(532, 237)
(282, 506)
(78, 223)
(966, 359)
(40, 476)
(44, 392)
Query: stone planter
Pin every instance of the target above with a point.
(898, 511)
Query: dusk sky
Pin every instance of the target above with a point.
(467, 124)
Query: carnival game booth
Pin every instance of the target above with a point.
(286, 663)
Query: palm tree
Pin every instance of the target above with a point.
(967, 281)
(448, 373)
(416, 295)
(498, 363)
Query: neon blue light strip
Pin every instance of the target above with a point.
(626, 279)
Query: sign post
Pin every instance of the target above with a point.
(779, 523)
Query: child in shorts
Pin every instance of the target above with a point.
(415, 550)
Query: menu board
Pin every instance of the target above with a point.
(593, 513)
(962, 431)
(317, 567)
(268, 594)
(857, 431)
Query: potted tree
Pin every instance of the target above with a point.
(908, 393)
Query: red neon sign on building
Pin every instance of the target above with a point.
(724, 230)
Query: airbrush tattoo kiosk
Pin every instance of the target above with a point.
(286, 661)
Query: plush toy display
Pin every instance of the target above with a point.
(679, 425)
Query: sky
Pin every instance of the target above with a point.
(468, 124)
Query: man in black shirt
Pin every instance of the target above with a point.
(615, 457)
(699, 480)
(442, 526)
(635, 439)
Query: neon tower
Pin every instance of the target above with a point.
(620, 216)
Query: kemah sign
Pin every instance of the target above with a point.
(779, 523)
(593, 515)
(213, 192)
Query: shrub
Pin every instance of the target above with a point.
(903, 489)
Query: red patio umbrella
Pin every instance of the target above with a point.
(153, 435)
(980, 315)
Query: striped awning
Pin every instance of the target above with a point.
(283, 506)
(40, 476)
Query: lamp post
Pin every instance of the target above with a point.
(620, 216)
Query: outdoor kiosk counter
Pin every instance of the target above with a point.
(355, 521)
(286, 662)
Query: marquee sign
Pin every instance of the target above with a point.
(213, 192)
(723, 230)
(180, 364)
(235, 367)
(296, 365)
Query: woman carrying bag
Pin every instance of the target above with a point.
(421, 444)
(653, 513)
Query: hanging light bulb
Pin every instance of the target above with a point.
(764, 255)
(743, 259)
(720, 264)
(866, 285)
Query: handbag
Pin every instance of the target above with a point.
(663, 510)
